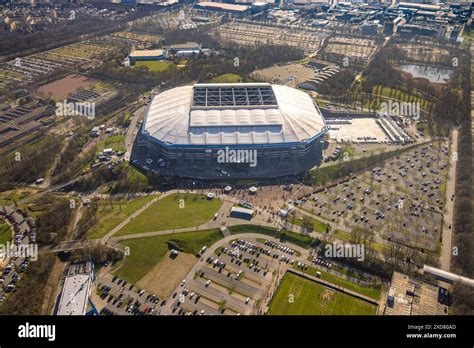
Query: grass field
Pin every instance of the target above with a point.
(155, 66)
(299, 296)
(115, 142)
(110, 214)
(169, 213)
(226, 78)
(5, 233)
(145, 253)
(318, 226)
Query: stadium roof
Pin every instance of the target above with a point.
(231, 114)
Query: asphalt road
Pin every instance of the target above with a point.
(446, 248)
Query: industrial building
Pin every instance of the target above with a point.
(409, 296)
(239, 130)
(76, 290)
(241, 213)
(223, 7)
(184, 50)
(145, 55)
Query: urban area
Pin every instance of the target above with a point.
(243, 157)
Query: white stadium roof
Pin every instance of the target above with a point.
(231, 114)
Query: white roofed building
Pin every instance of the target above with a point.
(190, 124)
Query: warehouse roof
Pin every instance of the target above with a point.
(146, 53)
(224, 6)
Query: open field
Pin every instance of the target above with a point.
(115, 142)
(8, 197)
(155, 66)
(167, 274)
(61, 88)
(289, 74)
(174, 211)
(111, 213)
(226, 78)
(146, 253)
(316, 225)
(311, 298)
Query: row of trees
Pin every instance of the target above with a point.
(61, 34)
(459, 109)
(28, 163)
(53, 223)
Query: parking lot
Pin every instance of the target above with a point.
(236, 278)
(402, 199)
(117, 296)
(24, 233)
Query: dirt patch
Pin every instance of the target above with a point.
(61, 88)
(167, 274)
(290, 75)
(327, 295)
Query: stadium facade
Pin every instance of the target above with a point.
(241, 130)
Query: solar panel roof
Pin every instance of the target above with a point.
(233, 96)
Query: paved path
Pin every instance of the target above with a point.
(448, 214)
(128, 219)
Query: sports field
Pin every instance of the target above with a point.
(299, 296)
(172, 212)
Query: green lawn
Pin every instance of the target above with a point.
(134, 174)
(145, 253)
(155, 66)
(5, 233)
(318, 226)
(373, 292)
(226, 78)
(8, 197)
(110, 214)
(168, 213)
(115, 142)
(299, 296)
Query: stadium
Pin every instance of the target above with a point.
(241, 130)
